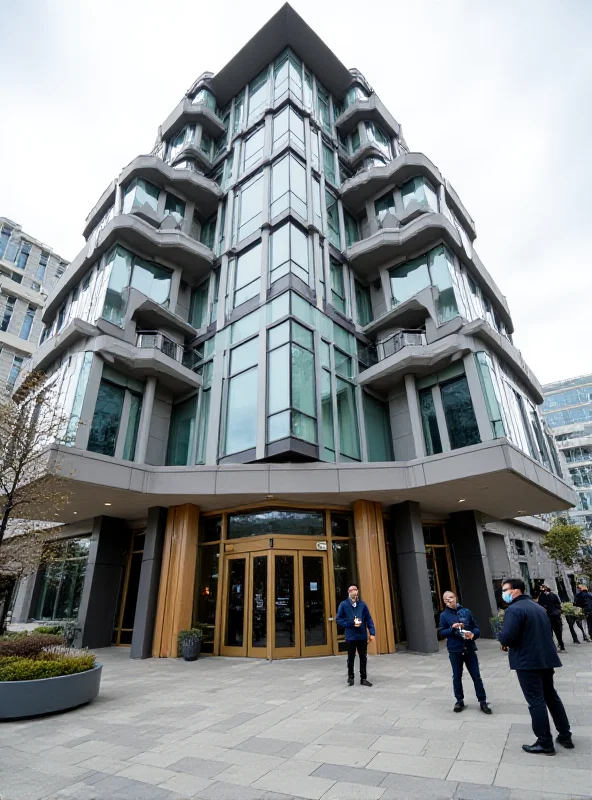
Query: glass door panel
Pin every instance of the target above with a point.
(314, 602)
(258, 634)
(234, 629)
(284, 606)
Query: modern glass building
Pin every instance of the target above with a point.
(568, 412)
(285, 369)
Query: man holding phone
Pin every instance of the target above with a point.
(460, 630)
(354, 616)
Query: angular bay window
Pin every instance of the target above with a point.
(385, 205)
(139, 193)
(253, 148)
(257, 95)
(181, 433)
(287, 77)
(291, 408)
(332, 219)
(352, 233)
(378, 429)
(174, 207)
(289, 253)
(125, 269)
(443, 279)
(420, 190)
(323, 109)
(249, 204)
(347, 420)
(288, 127)
(491, 392)
(241, 407)
(329, 164)
(204, 97)
(409, 279)
(363, 304)
(288, 186)
(355, 139)
(198, 311)
(181, 140)
(376, 135)
(337, 284)
(247, 279)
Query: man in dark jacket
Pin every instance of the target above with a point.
(354, 616)
(460, 630)
(583, 600)
(527, 633)
(552, 605)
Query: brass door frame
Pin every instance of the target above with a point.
(322, 649)
(128, 568)
(452, 583)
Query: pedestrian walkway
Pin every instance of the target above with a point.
(238, 729)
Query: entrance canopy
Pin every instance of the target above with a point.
(493, 477)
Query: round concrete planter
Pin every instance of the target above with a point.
(19, 699)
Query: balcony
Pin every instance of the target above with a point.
(156, 340)
(187, 112)
(372, 110)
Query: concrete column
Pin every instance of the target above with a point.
(177, 579)
(22, 605)
(413, 578)
(145, 420)
(478, 398)
(145, 616)
(373, 572)
(415, 416)
(89, 403)
(465, 534)
(102, 580)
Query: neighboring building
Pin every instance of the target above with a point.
(568, 412)
(285, 369)
(28, 271)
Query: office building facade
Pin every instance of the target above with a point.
(285, 370)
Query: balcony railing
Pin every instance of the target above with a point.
(372, 354)
(159, 341)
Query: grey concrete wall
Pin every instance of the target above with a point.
(159, 427)
(183, 300)
(499, 563)
(100, 592)
(465, 534)
(413, 578)
(149, 582)
(402, 431)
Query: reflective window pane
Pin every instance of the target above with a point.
(235, 612)
(106, 419)
(276, 522)
(460, 415)
(429, 422)
(241, 420)
(378, 429)
(284, 602)
(409, 279)
(315, 630)
(259, 611)
(349, 440)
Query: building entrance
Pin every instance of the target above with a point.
(276, 604)
(440, 566)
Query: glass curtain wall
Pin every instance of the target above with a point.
(62, 581)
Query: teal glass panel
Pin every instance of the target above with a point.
(198, 313)
(347, 418)
(241, 419)
(257, 95)
(343, 364)
(379, 439)
(279, 334)
(181, 432)
(304, 427)
(337, 285)
(459, 413)
(302, 309)
(174, 207)
(352, 233)
(250, 208)
(279, 307)
(442, 270)
(120, 263)
(278, 380)
(244, 356)
(303, 382)
(248, 275)
(385, 205)
(409, 279)
(246, 326)
(363, 304)
(329, 164)
(106, 419)
(302, 336)
(328, 451)
(202, 427)
(74, 421)
(492, 401)
(278, 426)
(332, 220)
(431, 433)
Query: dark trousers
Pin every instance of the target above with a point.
(557, 626)
(468, 658)
(361, 645)
(539, 692)
(572, 622)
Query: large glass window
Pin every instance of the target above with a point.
(328, 451)
(288, 77)
(174, 207)
(23, 256)
(5, 235)
(17, 365)
(239, 113)
(208, 232)
(329, 164)
(250, 208)
(241, 414)
(288, 126)
(363, 304)
(257, 95)
(347, 418)
(420, 190)
(459, 413)
(323, 109)
(106, 419)
(181, 432)
(491, 392)
(352, 233)
(291, 393)
(8, 311)
(198, 313)
(128, 270)
(276, 522)
(337, 284)
(27, 322)
(431, 433)
(183, 138)
(288, 186)
(314, 149)
(253, 148)
(376, 135)
(62, 581)
(332, 219)
(378, 429)
(385, 205)
(204, 412)
(247, 282)
(204, 97)
(443, 279)
(289, 253)
(138, 193)
(409, 279)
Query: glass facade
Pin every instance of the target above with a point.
(62, 580)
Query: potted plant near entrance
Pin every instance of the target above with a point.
(190, 642)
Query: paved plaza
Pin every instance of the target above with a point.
(238, 729)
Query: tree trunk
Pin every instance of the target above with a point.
(4, 522)
(5, 595)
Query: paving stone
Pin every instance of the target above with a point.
(300, 785)
(229, 791)
(199, 767)
(406, 787)
(399, 744)
(348, 756)
(488, 752)
(470, 791)
(259, 744)
(368, 777)
(421, 766)
(472, 772)
(353, 791)
(186, 784)
(146, 774)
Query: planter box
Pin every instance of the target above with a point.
(19, 699)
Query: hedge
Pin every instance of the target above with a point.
(27, 646)
(13, 668)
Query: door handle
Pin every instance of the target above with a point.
(331, 619)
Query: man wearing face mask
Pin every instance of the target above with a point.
(527, 634)
(354, 616)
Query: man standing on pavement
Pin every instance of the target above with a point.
(526, 632)
(354, 616)
(583, 600)
(552, 605)
(460, 630)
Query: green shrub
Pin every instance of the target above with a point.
(28, 646)
(13, 668)
(55, 630)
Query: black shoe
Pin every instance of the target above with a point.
(565, 741)
(459, 705)
(350, 681)
(364, 682)
(562, 649)
(577, 641)
(538, 749)
(485, 708)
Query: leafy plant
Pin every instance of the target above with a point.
(48, 665)
(28, 646)
(564, 542)
(571, 611)
(55, 630)
(198, 631)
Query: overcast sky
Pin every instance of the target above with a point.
(497, 94)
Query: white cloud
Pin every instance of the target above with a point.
(497, 95)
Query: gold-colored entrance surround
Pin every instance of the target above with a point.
(177, 580)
